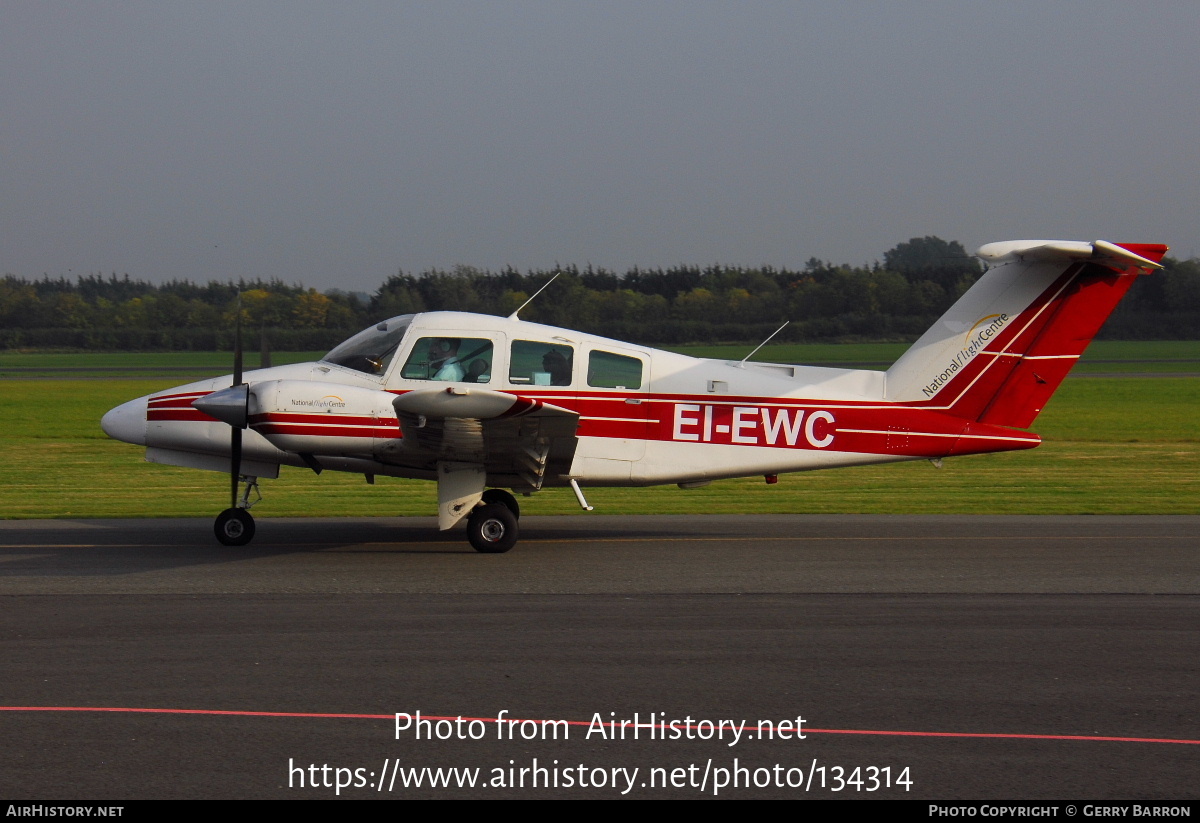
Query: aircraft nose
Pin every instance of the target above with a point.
(127, 422)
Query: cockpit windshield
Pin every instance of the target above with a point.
(371, 350)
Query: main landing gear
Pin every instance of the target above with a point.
(501, 496)
(235, 526)
(492, 525)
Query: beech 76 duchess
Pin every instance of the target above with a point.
(481, 404)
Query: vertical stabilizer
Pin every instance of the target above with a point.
(998, 353)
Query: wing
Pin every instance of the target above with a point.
(520, 442)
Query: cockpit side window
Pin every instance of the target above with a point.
(540, 364)
(452, 359)
(371, 350)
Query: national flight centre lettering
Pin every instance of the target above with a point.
(753, 425)
(329, 401)
(977, 338)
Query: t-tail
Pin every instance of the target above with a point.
(998, 354)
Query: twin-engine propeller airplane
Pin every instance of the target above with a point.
(481, 404)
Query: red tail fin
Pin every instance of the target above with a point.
(1072, 319)
(1027, 321)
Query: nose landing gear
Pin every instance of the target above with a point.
(235, 526)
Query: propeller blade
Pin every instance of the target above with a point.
(235, 467)
(236, 425)
(237, 343)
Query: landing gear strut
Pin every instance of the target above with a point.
(491, 514)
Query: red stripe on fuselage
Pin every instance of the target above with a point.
(860, 426)
(177, 407)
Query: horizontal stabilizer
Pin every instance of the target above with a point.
(1098, 251)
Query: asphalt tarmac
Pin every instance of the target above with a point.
(943, 658)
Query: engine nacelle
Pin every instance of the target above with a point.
(310, 417)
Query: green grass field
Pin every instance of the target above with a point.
(180, 365)
(1112, 445)
(1157, 356)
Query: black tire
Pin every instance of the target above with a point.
(492, 529)
(501, 496)
(234, 527)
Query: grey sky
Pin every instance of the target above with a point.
(334, 143)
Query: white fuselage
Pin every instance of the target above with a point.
(679, 420)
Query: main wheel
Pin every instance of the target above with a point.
(234, 527)
(492, 529)
(501, 496)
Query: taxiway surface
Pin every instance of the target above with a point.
(1026, 632)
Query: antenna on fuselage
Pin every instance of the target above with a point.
(513, 316)
(763, 343)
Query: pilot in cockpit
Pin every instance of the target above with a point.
(443, 357)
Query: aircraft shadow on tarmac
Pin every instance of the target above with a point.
(119, 547)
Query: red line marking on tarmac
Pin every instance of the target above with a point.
(663, 726)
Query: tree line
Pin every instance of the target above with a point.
(896, 299)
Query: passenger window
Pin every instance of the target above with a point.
(540, 364)
(452, 359)
(614, 371)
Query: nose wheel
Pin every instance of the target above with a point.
(234, 527)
